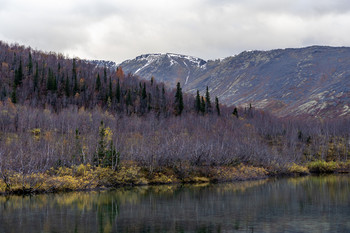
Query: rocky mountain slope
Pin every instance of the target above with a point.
(308, 81)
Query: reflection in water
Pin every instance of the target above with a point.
(308, 204)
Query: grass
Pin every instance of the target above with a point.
(321, 166)
(87, 177)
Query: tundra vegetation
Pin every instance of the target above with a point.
(66, 124)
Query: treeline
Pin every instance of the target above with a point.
(50, 80)
(59, 112)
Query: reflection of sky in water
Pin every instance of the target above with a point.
(308, 204)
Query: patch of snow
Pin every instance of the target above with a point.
(261, 104)
(194, 60)
(321, 95)
(340, 95)
(172, 61)
(323, 106)
(287, 94)
(308, 107)
(188, 73)
(346, 110)
(150, 58)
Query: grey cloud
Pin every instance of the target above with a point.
(96, 10)
(123, 29)
(295, 7)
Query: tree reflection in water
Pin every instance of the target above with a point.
(308, 204)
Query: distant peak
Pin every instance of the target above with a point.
(153, 57)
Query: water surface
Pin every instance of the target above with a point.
(307, 204)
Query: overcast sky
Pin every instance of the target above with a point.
(123, 29)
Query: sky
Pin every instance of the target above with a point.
(117, 30)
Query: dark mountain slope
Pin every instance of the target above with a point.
(307, 81)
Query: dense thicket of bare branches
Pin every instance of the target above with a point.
(35, 140)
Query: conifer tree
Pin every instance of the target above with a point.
(198, 102)
(110, 92)
(105, 74)
(51, 81)
(75, 78)
(179, 104)
(66, 87)
(98, 83)
(202, 109)
(117, 92)
(110, 156)
(19, 74)
(105, 155)
(217, 105)
(235, 112)
(14, 96)
(128, 98)
(30, 63)
(144, 93)
(208, 102)
(143, 101)
(36, 77)
(163, 100)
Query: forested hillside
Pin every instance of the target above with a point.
(69, 121)
(52, 81)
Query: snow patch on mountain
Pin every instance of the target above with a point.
(346, 110)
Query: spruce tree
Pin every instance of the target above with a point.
(110, 92)
(235, 112)
(202, 109)
(19, 74)
(208, 102)
(51, 81)
(105, 74)
(128, 98)
(198, 102)
(144, 93)
(54, 80)
(163, 101)
(101, 146)
(117, 91)
(179, 104)
(66, 87)
(30, 64)
(98, 83)
(14, 96)
(36, 77)
(75, 78)
(217, 105)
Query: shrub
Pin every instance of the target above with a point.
(321, 166)
(298, 169)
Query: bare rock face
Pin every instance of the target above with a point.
(288, 82)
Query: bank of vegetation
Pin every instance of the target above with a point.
(67, 124)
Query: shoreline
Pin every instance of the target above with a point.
(86, 178)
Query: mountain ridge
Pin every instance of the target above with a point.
(312, 80)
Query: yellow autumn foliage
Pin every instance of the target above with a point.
(298, 169)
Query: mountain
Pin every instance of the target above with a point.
(169, 68)
(289, 82)
(103, 63)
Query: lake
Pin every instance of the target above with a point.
(304, 204)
